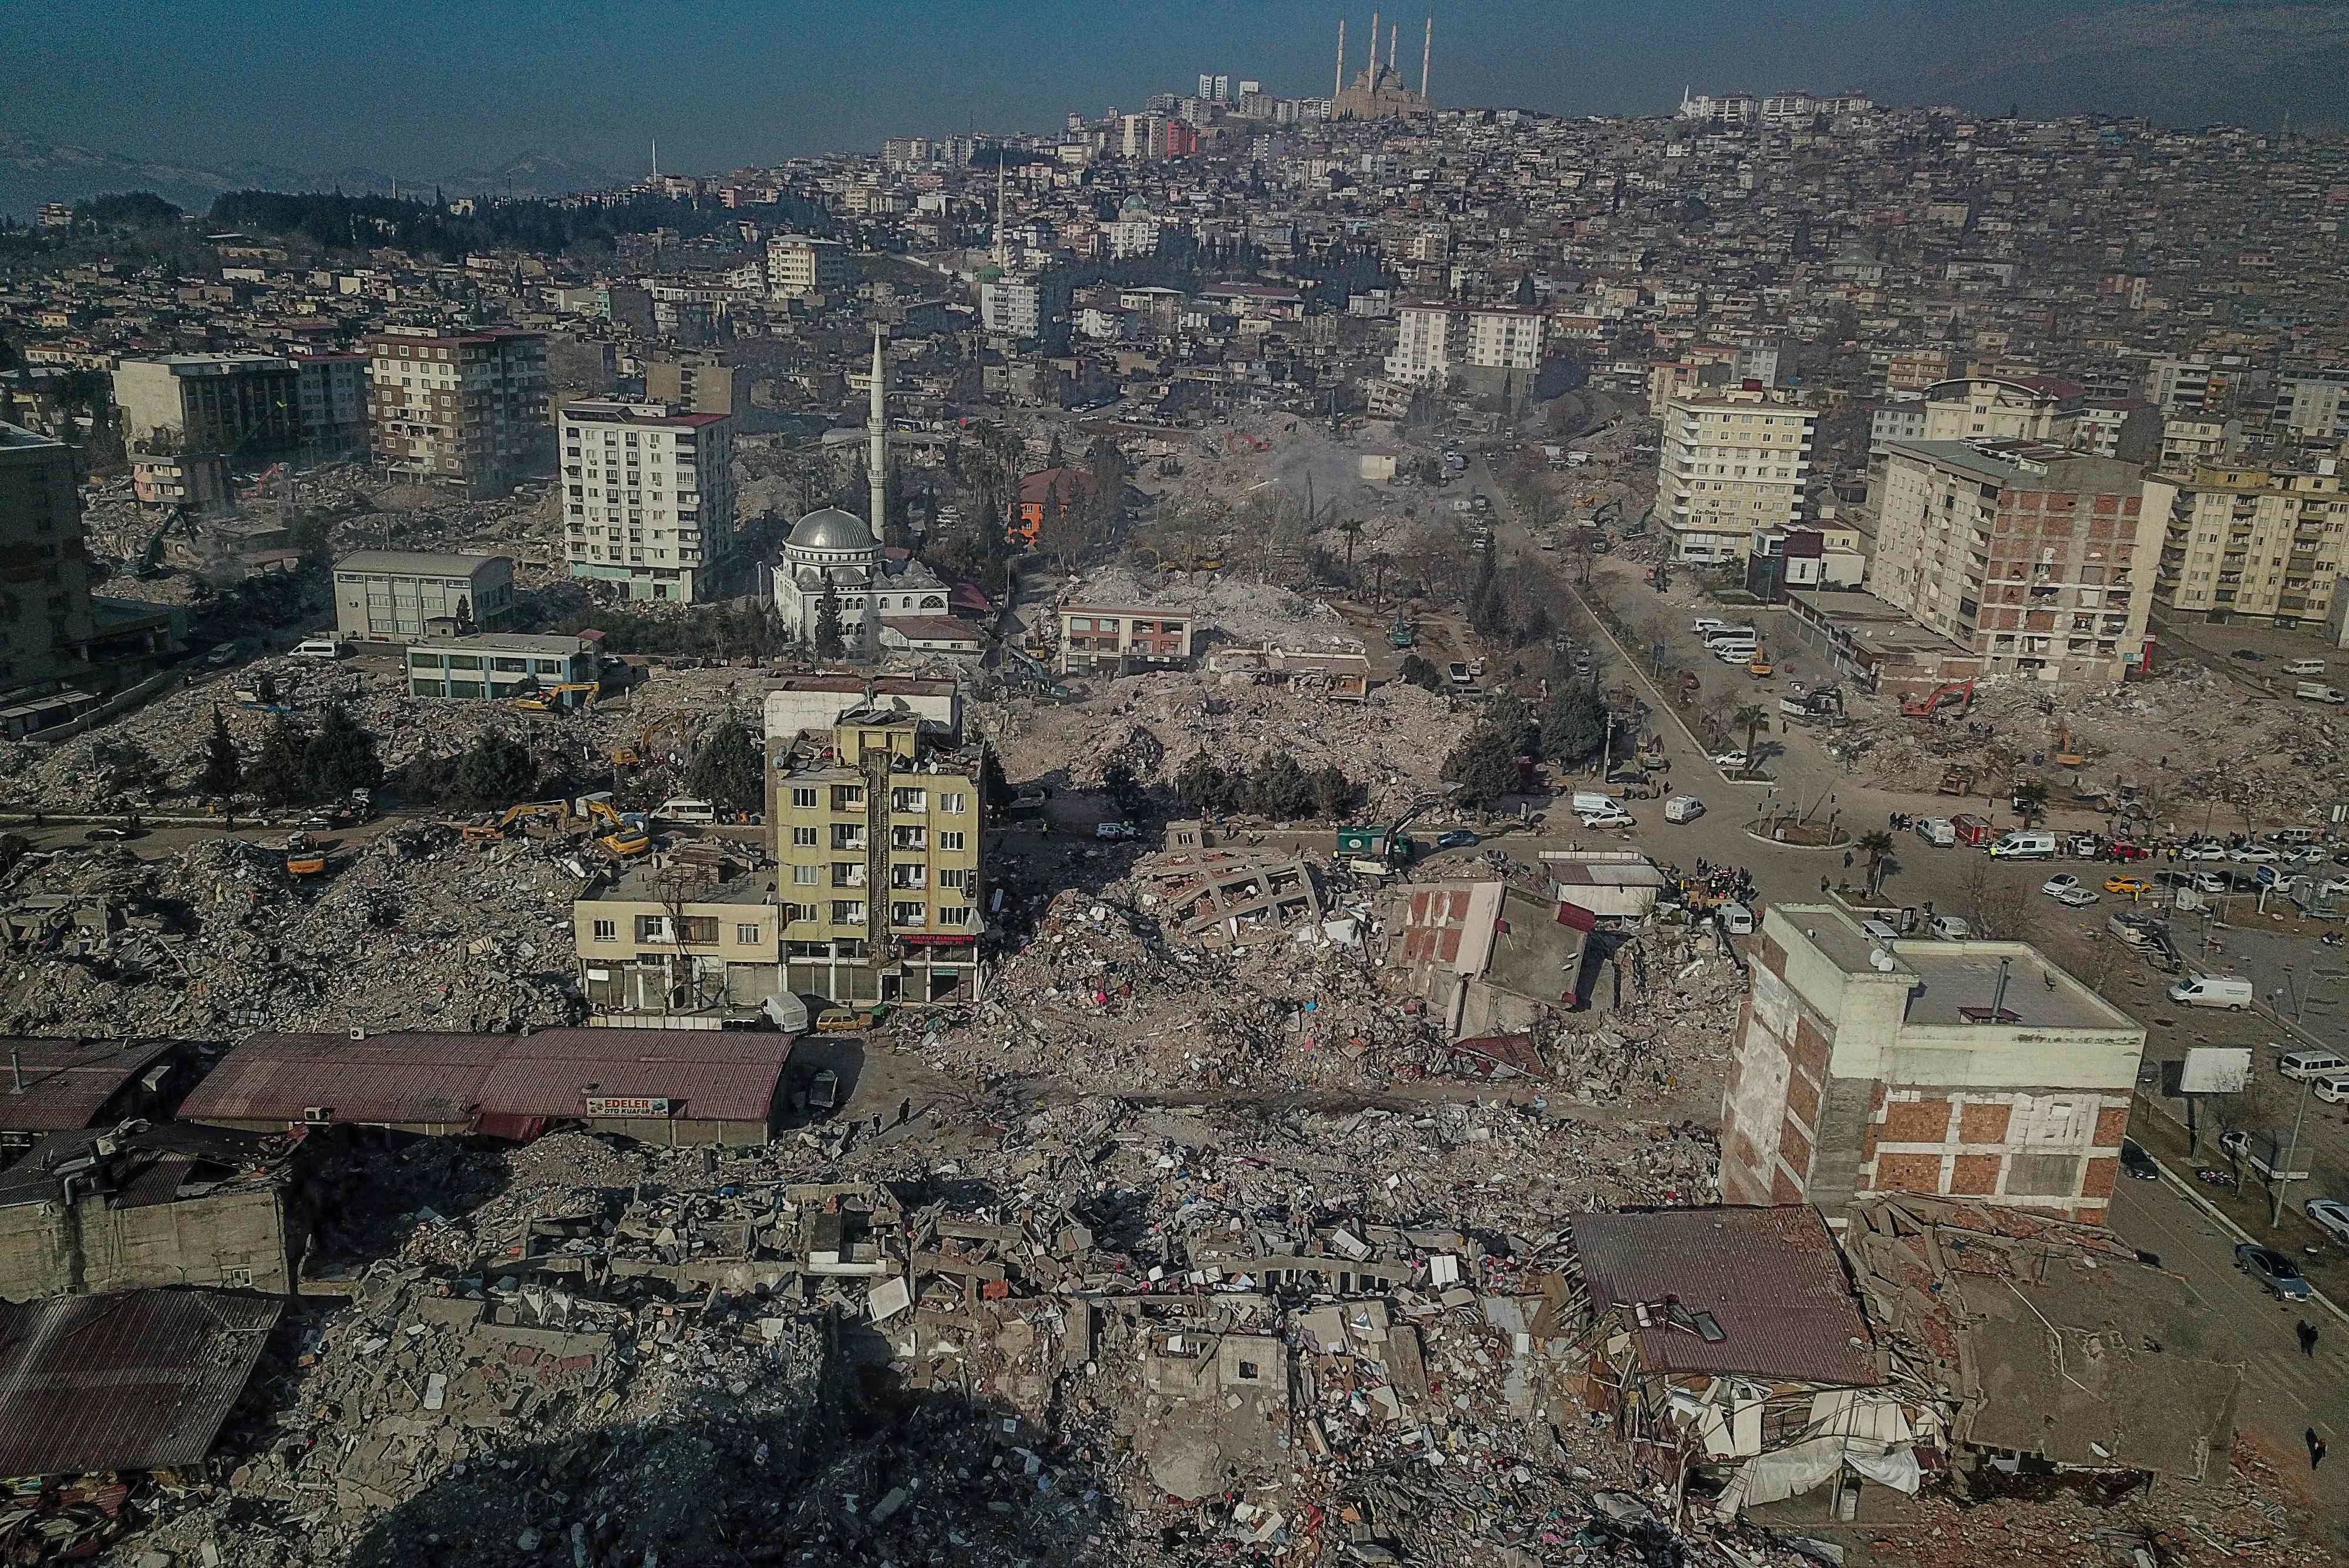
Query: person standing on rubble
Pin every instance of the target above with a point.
(2307, 1332)
(2315, 1450)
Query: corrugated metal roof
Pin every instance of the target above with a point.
(710, 1074)
(68, 1082)
(452, 1078)
(419, 1078)
(1770, 1277)
(138, 1380)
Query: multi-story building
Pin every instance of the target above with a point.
(658, 948)
(1034, 307)
(2029, 555)
(240, 405)
(2187, 443)
(878, 825)
(2251, 541)
(696, 383)
(464, 411)
(47, 621)
(1435, 341)
(194, 479)
(334, 404)
(1733, 463)
(499, 666)
(2313, 404)
(1121, 638)
(1915, 369)
(406, 596)
(649, 499)
(2181, 385)
(1976, 1069)
(2002, 407)
(799, 265)
(2125, 428)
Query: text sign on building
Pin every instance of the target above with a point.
(626, 1105)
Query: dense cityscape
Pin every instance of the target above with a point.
(1311, 829)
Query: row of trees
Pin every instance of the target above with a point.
(335, 222)
(294, 764)
(1569, 729)
(1277, 786)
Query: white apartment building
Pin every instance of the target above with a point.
(1434, 341)
(1141, 136)
(2178, 385)
(1021, 306)
(799, 265)
(2001, 408)
(649, 498)
(2313, 404)
(1130, 237)
(1733, 463)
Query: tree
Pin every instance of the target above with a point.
(729, 771)
(276, 775)
(223, 768)
(1421, 672)
(1574, 729)
(496, 770)
(1876, 846)
(1333, 791)
(131, 768)
(1123, 788)
(1204, 787)
(1278, 788)
(828, 643)
(1749, 717)
(1053, 456)
(341, 757)
(1483, 765)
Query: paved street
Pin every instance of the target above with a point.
(2285, 1393)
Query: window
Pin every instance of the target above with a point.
(954, 877)
(747, 935)
(652, 928)
(807, 876)
(907, 914)
(909, 800)
(607, 931)
(950, 804)
(803, 839)
(954, 914)
(848, 911)
(950, 840)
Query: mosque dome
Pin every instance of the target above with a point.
(832, 529)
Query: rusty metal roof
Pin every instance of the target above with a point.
(68, 1082)
(137, 1380)
(1771, 1278)
(454, 1079)
(401, 1078)
(708, 1075)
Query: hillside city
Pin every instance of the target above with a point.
(1319, 830)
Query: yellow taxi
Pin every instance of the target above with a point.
(2134, 887)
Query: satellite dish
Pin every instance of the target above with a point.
(1878, 959)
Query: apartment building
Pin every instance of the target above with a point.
(1024, 307)
(878, 825)
(2028, 554)
(2001, 408)
(502, 665)
(2184, 386)
(2127, 428)
(1733, 463)
(2265, 543)
(460, 411)
(242, 405)
(1435, 341)
(801, 265)
(648, 499)
(1122, 638)
(333, 392)
(1912, 370)
(2187, 443)
(666, 948)
(198, 480)
(406, 596)
(696, 383)
(2313, 405)
(46, 620)
(1973, 1069)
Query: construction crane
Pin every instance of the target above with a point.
(1931, 703)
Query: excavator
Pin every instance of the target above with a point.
(304, 856)
(550, 699)
(1759, 666)
(2064, 755)
(1961, 692)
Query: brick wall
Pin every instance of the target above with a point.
(2054, 1151)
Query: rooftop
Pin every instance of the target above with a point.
(649, 883)
(68, 1082)
(505, 642)
(614, 411)
(421, 562)
(17, 436)
(2017, 465)
(1770, 1278)
(1956, 982)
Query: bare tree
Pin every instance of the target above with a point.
(1997, 910)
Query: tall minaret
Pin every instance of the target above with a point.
(657, 160)
(1426, 57)
(1394, 61)
(1341, 60)
(1000, 251)
(877, 426)
(1374, 78)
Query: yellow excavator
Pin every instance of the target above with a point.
(2064, 755)
(550, 699)
(304, 856)
(617, 833)
(1759, 666)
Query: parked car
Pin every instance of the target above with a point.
(2135, 1162)
(2253, 855)
(226, 654)
(2203, 851)
(2251, 656)
(2076, 898)
(823, 1093)
(114, 835)
(837, 1021)
(1733, 762)
(2274, 1270)
(2122, 849)
(2062, 882)
(1458, 838)
(2129, 886)
(1115, 832)
(2331, 1216)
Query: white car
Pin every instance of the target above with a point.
(2076, 898)
(1114, 831)
(2203, 852)
(1597, 819)
(2253, 855)
(2333, 888)
(2055, 887)
(2331, 1216)
(1733, 762)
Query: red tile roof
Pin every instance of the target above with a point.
(1771, 1277)
(68, 1082)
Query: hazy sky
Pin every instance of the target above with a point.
(422, 85)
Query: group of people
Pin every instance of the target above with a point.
(1713, 882)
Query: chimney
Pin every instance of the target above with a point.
(15, 1070)
(1998, 997)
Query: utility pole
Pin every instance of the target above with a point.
(2283, 1175)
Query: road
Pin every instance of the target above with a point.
(2285, 1393)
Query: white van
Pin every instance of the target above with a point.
(1937, 831)
(2036, 843)
(2304, 667)
(682, 809)
(319, 648)
(1735, 652)
(1584, 802)
(2318, 692)
(2232, 991)
(1950, 929)
(2333, 1088)
(1704, 624)
(1719, 633)
(2306, 1064)
(1736, 919)
(1684, 808)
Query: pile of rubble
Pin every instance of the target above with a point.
(1250, 613)
(414, 930)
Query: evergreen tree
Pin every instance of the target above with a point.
(1204, 787)
(1123, 788)
(223, 768)
(341, 757)
(496, 770)
(1574, 729)
(1483, 765)
(1421, 672)
(1279, 787)
(729, 771)
(276, 775)
(828, 643)
(1333, 791)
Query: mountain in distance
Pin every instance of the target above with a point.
(33, 171)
